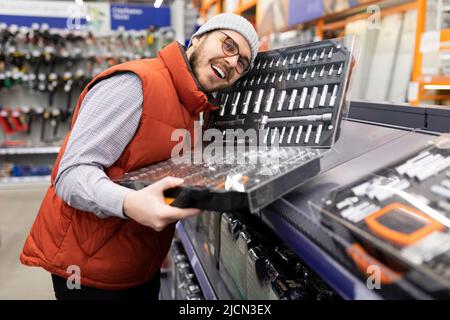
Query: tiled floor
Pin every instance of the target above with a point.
(18, 208)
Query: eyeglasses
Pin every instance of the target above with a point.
(230, 48)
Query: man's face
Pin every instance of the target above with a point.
(212, 67)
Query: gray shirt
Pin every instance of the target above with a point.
(106, 123)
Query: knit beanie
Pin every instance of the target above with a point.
(233, 22)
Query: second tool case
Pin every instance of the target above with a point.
(279, 119)
(397, 221)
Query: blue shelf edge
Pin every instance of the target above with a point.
(337, 277)
(200, 273)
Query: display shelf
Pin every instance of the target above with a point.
(197, 266)
(29, 150)
(13, 181)
(342, 281)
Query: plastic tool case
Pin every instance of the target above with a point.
(400, 216)
(272, 127)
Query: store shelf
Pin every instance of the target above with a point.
(337, 277)
(245, 5)
(29, 150)
(197, 267)
(14, 181)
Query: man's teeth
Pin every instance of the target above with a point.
(221, 73)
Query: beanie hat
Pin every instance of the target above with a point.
(233, 22)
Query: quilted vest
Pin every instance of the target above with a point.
(116, 253)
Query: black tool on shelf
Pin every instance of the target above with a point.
(293, 99)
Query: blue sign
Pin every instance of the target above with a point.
(138, 17)
(301, 11)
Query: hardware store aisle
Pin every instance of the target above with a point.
(19, 206)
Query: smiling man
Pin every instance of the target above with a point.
(100, 240)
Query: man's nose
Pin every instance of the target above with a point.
(232, 61)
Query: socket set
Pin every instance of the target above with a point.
(293, 99)
(295, 95)
(402, 213)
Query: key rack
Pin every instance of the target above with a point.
(294, 98)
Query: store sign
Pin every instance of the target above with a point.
(57, 14)
(138, 17)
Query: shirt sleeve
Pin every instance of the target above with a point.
(107, 121)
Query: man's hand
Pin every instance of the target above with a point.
(148, 208)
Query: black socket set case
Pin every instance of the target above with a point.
(294, 97)
(412, 198)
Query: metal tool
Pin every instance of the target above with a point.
(282, 134)
(273, 78)
(331, 70)
(312, 100)
(292, 99)
(310, 118)
(303, 98)
(334, 96)
(331, 53)
(291, 131)
(299, 59)
(307, 57)
(288, 77)
(308, 133)
(281, 99)
(258, 101)
(223, 105)
(299, 133)
(340, 69)
(235, 103)
(292, 59)
(313, 73)
(314, 56)
(270, 100)
(318, 133)
(323, 96)
(322, 55)
(246, 103)
(322, 72)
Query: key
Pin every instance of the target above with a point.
(323, 96)
(318, 133)
(312, 101)
(303, 98)
(270, 99)
(291, 131)
(299, 133)
(281, 99)
(308, 133)
(292, 100)
(334, 96)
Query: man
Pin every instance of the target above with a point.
(109, 238)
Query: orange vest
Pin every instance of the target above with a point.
(116, 253)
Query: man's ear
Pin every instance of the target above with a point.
(195, 42)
